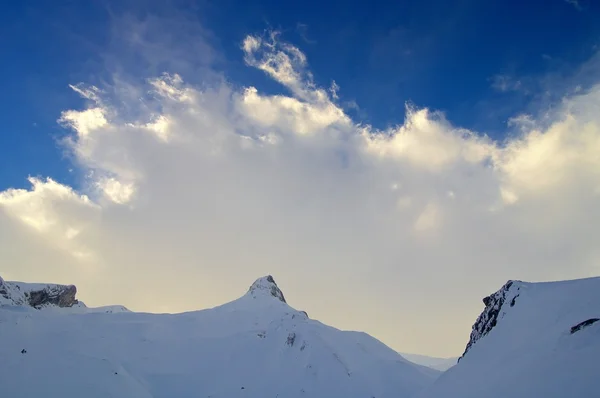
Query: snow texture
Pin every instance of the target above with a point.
(522, 345)
(256, 346)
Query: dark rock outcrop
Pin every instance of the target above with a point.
(37, 295)
(58, 295)
(291, 339)
(584, 324)
(492, 312)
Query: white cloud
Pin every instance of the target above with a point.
(334, 89)
(116, 191)
(84, 121)
(428, 141)
(286, 113)
(284, 63)
(209, 187)
(54, 211)
(251, 44)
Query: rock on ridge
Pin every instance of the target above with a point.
(37, 295)
(494, 310)
(266, 286)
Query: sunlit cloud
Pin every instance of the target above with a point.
(210, 186)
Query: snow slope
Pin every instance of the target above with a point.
(256, 347)
(522, 345)
(441, 364)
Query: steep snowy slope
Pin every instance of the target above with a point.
(531, 340)
(441, 364)
(256, 347)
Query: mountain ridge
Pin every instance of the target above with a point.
(522, 344)
(531, 339)
(254, 346)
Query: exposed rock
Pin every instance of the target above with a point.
(37, 295)
(266, 285)
(291, 339)
(492, 312)
(584, 324)
(59, 295)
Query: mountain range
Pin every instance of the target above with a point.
(531, 340)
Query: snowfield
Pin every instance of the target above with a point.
(531, 340)
(531, 352)
(256, 346)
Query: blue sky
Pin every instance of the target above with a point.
(479, 62)
(204, 144)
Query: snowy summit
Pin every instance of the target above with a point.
(266, 286)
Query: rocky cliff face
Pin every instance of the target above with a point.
(495, 308)
(37, 295)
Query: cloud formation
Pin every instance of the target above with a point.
(395, 232)
(506, 83)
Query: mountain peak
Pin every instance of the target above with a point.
(266, 286)
(494, 310)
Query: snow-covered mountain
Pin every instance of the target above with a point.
(441, 364)
(47, 296)
(255, 346)
(531, 340)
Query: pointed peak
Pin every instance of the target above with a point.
(266, 286)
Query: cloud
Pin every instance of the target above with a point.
(84, 122)
(207, 186)
(428, 141)
(334, 89)
(506, 83)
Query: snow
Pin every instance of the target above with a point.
(81, 308)
(16, 293)
(530, 352)
(441, 364)
(266, 285)
(255, 346)
(532, 340)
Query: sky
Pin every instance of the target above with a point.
(389, 165)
